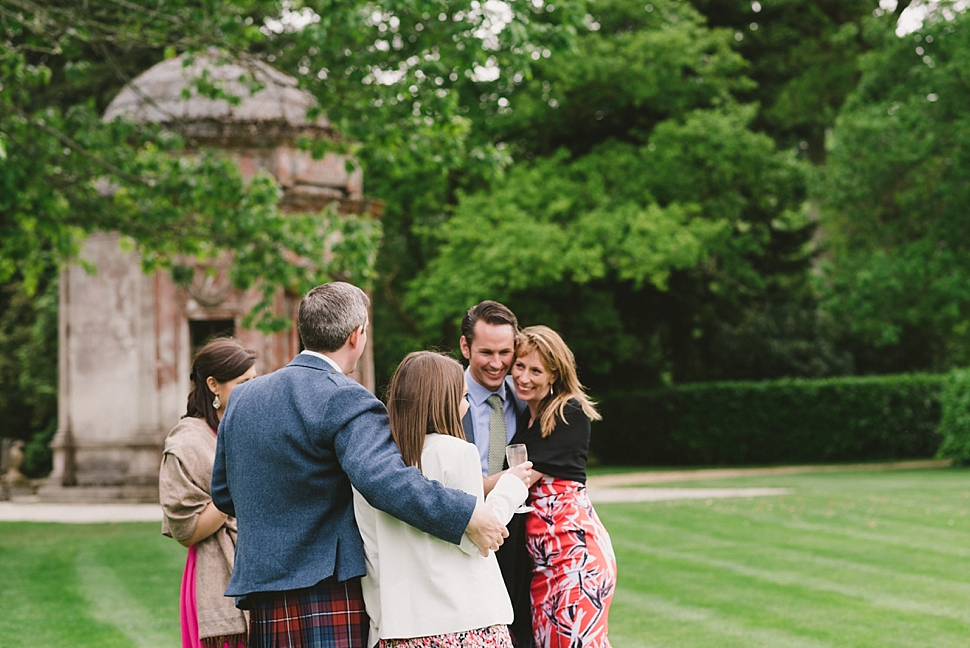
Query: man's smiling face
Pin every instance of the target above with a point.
(490, 353)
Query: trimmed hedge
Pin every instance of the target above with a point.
(770, 422)
(955, 419)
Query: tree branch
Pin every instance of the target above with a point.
(75, 146)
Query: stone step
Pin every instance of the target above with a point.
(129, 494)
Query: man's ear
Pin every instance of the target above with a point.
(354, 338)
(465, 348)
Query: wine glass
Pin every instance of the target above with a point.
(517, 453)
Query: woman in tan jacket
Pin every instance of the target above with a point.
(208, 618)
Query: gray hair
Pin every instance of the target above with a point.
(330, 313)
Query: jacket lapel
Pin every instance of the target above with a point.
(466, 423)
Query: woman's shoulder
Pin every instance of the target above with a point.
(573, 411)
(573, 404)
(571, 419)
(188, 432)
(447, 459)
(444, 444)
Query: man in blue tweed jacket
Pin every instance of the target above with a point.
(290, 445)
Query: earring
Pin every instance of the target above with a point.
(216, 403)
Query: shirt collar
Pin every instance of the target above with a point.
(477, 394)
(320, 355)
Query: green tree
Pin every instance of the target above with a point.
(637, 253)
(804, 58)
(631, 69)
(644, 218)
(894, 198)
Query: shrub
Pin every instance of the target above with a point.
(765, 422)
(955, 418)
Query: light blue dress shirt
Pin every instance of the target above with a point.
(481, 411)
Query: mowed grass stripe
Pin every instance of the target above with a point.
(693, 623)
(110, 601)
(931, 543)
(748, 562)
(794, 579)
(98, 585)
(853, 559)
(42, 601)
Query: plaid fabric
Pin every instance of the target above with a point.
(328, 615)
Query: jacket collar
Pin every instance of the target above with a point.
(313, 362)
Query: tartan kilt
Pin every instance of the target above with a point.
(328, 615)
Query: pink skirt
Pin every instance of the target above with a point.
(187, 610)
(188, 613)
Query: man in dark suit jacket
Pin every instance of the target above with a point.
(488, 343)
(290, 446)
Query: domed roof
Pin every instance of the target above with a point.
(156, 96)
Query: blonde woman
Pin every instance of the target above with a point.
(420, 591)
(574, 571)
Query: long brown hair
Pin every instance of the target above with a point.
(424, 397)
(560, 364)
(224, 359)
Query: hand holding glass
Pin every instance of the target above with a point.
(517, 453)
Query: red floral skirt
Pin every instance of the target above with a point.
(575, 569)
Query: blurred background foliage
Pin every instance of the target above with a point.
(687, 191)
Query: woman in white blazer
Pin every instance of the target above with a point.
(419, 590)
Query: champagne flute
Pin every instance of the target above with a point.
(517, 453)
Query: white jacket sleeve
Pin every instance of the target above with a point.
(508, 494)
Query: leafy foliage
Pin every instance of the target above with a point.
(634, 66)
(894, 196)
(634, 251)
(804, 58)
(643, 218)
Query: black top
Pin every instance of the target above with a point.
(562, 454)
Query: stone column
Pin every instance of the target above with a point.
(109, 435)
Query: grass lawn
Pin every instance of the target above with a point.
(850, 559)
(97, 585)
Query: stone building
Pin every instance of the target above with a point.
(126, 337)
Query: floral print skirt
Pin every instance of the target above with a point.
(496, 636)
(575, 569)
